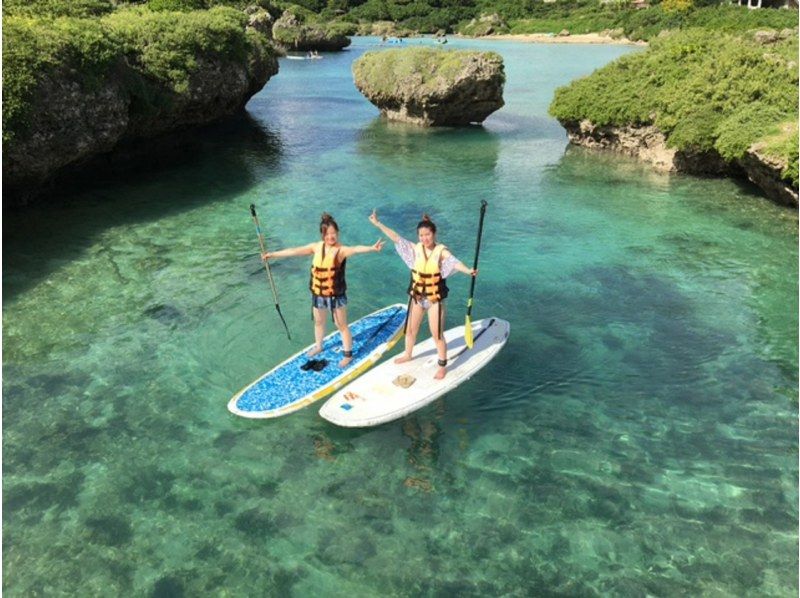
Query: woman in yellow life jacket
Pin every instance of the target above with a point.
(327, 282)
(430, 263)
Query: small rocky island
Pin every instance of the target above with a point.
(292, 33)
(430, 86)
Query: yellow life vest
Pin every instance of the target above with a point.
(426, 276)
(327, 277)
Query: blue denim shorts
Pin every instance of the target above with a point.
(328, 302)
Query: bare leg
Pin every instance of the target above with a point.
(319, 331)
(414, 320)
(340, 317)
(441, 345)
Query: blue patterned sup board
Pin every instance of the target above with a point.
(289, 387)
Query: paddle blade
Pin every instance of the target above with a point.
(468, 333)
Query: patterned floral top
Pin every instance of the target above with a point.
(405, 249)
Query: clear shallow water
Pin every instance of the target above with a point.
(637, 435)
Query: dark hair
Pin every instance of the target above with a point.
(426, 222)
(325, 221)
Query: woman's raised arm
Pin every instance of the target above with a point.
(384, 229)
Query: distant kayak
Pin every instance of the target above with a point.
(393, 390)
(301, 380)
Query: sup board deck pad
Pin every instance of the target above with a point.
(393, 390)
(301, 380)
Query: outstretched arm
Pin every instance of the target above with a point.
(289, 252)
(455, 264)
(348, 251)
(384, 229)
(463, 269)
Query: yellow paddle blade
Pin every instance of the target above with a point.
(468, 333)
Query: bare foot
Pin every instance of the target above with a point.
(402, 359)
(345, 361)
(314, 351)
(440, 373)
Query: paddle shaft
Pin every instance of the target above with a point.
(266, 266)
(477, 253)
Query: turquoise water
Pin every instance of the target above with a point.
(637, 435)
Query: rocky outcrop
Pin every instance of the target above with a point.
(293, 34)
(259, 19)
(649, 144)
(432, 87)
(766, 172)
(384, 29)
(72, 121)
(485, 25)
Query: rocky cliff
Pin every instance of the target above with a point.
(432, 87)
(649, 144)
(71, 118)
(699, 102)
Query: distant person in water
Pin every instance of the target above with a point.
(430, 263)
(327, 282)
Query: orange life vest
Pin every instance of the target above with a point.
(426, 276)
(327, 277)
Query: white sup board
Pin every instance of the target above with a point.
(293, 384)
(392, 390)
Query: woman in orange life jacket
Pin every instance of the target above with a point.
(327, 281)
(430, 263)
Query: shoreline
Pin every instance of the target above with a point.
(549, 38)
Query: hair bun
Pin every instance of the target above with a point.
(326, 220)
(426, 222)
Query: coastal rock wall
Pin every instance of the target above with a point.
(765, 171)
(73, 120)
(649, 144)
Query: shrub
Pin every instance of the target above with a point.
(179, 5)
(677, 5)
(57, 8)
(166, 45)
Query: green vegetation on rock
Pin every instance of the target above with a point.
(34, 47)
(427, 69)
(57, 8)
(535, 16)
(160, 47)
(420, 15)
(724, 92)
(167, 46)
(648, 23)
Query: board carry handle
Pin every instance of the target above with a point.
(266, 266)
(468, 322)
